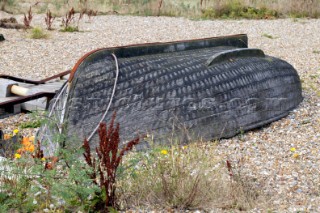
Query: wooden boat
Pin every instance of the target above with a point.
(207, 88)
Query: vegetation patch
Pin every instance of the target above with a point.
(38, 33)
(185, 177)
(231, 9)
(235, 10)
(70, 29)
(30, 124)
(113, 177)
(268, 36)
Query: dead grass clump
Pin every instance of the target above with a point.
(300, 8)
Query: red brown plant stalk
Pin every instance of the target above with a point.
(49, 20)
(38, 154)
(81, 14)
(27, 19)
(66, 21)
(109, 158)
(159, 6)
(91, 13)
(51, 164)
(229, 169)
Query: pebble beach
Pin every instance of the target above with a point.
(283, 157)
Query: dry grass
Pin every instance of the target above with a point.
(187, 177)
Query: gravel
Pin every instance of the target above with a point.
(289, 177)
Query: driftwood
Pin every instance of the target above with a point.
(11, 23)
(209, 88)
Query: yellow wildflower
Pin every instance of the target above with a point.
(293, 149)
(17, 156)
(7, 136)
(296, 155)
(164, 152)
(43, 159)
(16, 131)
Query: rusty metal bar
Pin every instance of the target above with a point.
(23, 99)
(22, 80)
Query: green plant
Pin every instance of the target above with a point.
(235, 9)
(37, 33)
(34, 183)
(268, 36)
(109, 159)
(8, 146)
(70, 29)
(30, 124)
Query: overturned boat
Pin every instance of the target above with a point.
(207, 88)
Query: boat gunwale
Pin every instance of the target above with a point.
(159, 47)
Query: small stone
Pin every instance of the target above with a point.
(1, 37)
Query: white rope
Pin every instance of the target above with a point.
(63, 111)
(41, 133)
(57, 99)
(111, 98)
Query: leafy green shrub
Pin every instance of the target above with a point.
(70, 29)
(30, 124)
(234, 9)
(33, 183)
(37, 33)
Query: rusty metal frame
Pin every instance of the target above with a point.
(23, 99)
(43, 81)
(19, 100)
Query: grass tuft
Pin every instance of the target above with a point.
(38, 33)
(70, 29)
(268, 36)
